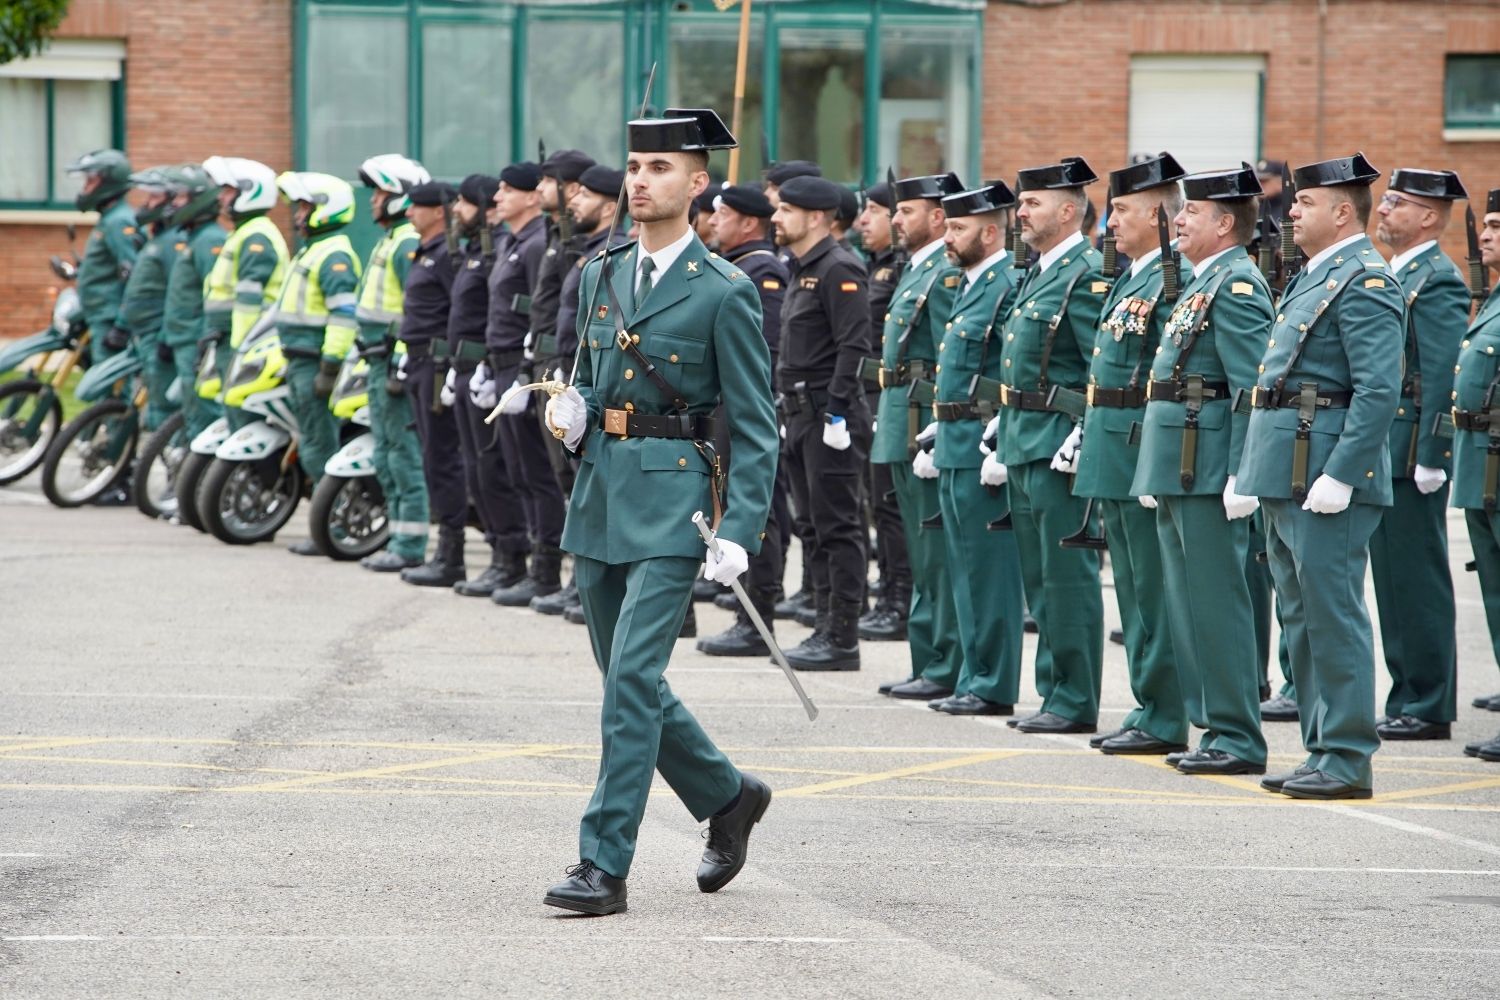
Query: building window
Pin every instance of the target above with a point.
(356, 89)
(702, 57)
(466, 97)
(1471, 97)
(1162, 117)
(822, 114)
(925, 74)
(574, 72)
(54, 107)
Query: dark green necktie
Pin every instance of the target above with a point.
(644, 288)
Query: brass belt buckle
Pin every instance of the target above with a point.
(1256, 396)
(935, 410)
(1004, 395)
(1089, 395)
(615, 422)
(880, 377)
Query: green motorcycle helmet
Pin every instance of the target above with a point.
(202, 203)
(152, 180)
(113, 170)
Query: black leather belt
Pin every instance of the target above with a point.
(945, 412)
(795, 402)
(1264, 398)
(1471, 420)
(1125, 398)
(629, 424)
(1015, 399)
(1159, 391)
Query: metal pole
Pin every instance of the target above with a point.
(742, 61)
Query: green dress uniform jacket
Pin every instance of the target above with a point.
(920, 304)
(182, 320)
(630, 519)
(983, 567)
(1349, 311)
(1409, 551)
(141, 312)
(107, 261)
(1216, 333)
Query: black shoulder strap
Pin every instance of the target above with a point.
(623, 341)
(1054, 326)
(1195, 334)
(916, 316)
(1411, 323)
(1291, 362)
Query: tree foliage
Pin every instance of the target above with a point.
(26, 24)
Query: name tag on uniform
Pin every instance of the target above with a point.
(808, 283)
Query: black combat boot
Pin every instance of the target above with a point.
(834, 644)
(887, 622)
(689, 625)
(504, 569)
(445, 568)
(556, 604)
(545, 578)
(742, 638)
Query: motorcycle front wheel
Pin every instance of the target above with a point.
(92, 454)
(156, 467)
(185, 487)
(347, 519)
(241, 503)
(30, 415)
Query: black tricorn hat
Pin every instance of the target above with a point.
(1222, 185)
(1492, 203)
(1153, 172)
(1441, 184)
(1071, 172)
(933, 187)
(680, 130)
(993, 197)
(1331, 173)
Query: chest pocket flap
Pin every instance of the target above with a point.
(676, 349)
(671, 455)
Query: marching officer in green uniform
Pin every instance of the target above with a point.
(1143, 197)
(1476, 442)
(1191, 444)
(1316, 455)
(983, 566)
(1049, 341)
(246, 279)
(380, 304)
(920, 304)
(112, 246)
(315, 314)
(144, 302)
(1409, 550)
(195, 212)
(670, 333)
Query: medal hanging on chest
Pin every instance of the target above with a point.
(1119, 319)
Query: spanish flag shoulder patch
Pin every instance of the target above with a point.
(1242, 288)
(1374, 282)
(849, 286)
(771, 284)
(256, 247)
(215, 250)
(341, 267)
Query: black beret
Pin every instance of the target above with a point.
(1145, 174)
(479, 189)
(432, 194)
(880, 194)
(1270, 168)
(603, 180)
(1223, 185)
(746, 199)
(1441, 184)
(848, 209)
(1070, 172)
(779, 173)
(1337, 171)
(567, 164)
(524, 176)
(813, 193)
(705, 201)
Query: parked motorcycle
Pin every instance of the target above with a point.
(347, 518)
(31, 413)
(93, 452)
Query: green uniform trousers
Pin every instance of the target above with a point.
(634, 613)
(1263, 600)
(398, 465)
(984, 571)
(1414, 595)
(1135, 557)
(157, 375)
(1212, 621)
(1062, 591)
(1318, 562)
(1484, 537)
(931, 622)
(318, 428)
(197, 412)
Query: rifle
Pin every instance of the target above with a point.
(1291, 254)
(1111, 266)
(1170, 285)
(1479, 277)
(898, 250)
(1020, 253)
(564, 220)
(1265, 251)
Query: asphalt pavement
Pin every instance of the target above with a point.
(234, 772)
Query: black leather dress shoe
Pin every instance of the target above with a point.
(1016, 722)
(1136, 741)
(588, 889)
(1409, 727)
(1494, 703)
(1217, 762)
(1489, 751)
(555, 603)
(739, 639)
(1279, 708)
(920, 689)
(1483, 701)
(306, 547)
(1117, 636)
(386, 561)
(1051, 722)
(971, 704)
(729, 835)
(1273, 782)
(1319, 785)
(1472, 749)
(885, 688)
(1097, 740)
(1177, 757)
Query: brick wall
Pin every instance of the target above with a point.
(202, 77)
(1056, 79)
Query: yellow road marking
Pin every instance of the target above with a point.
(900, 772)
(1418, 793)
(392, 769)
(1061, 788)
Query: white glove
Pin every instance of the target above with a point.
(1066, 459)
(1147, 501)
(991, 433)
(1429, 480)
(927, 434)
(528, 345)
(401, 367)
(1236, 506)
(567, 412)
(836, 434)
(1328, 496)
(482, 388)
(993, 472)
(874, 426)
(557, 376)
(727, 566)
(922, 466)
(514, 401)
(783, 432)
(447, 396)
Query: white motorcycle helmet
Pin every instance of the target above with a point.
(256, 182)
(396, 175)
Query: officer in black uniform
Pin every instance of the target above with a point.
(844, 218)
(886, 621)
(742, 231)
(424, 330)
(518, 257)
(825, 333)
(701, 215)
(489, 483)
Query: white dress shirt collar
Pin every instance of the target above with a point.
(1323, 255)
(993, 260)
(1138, 264)
(1056, 252)
(1402, 259)
(921, 255)
(663, 258)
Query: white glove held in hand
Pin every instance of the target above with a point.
(567, 412)
(1066, 459)
(1236, 506)
(1147, 501)
(1328, 496)
(446, 395)
(922, 466)
(990, 438)
(1429, 480)
(836, 434)
(513, 403)
(482, 388)
(727, 566)
(927, 434)
(993, 472)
